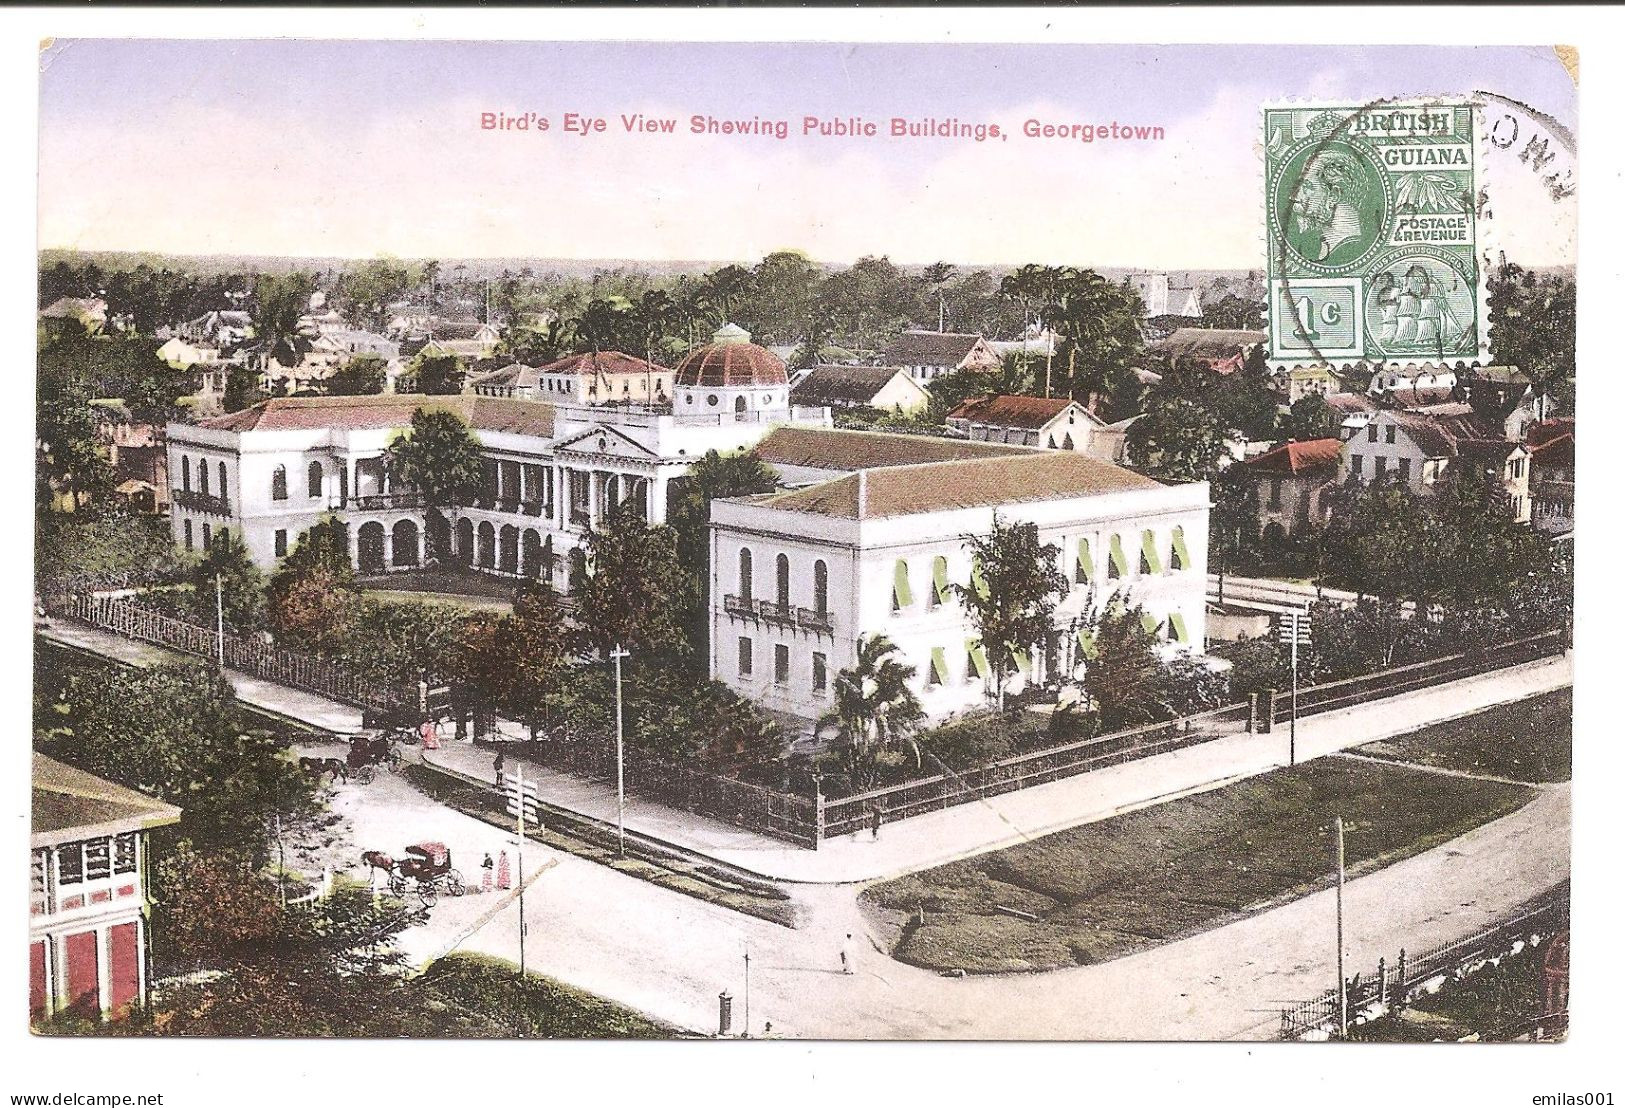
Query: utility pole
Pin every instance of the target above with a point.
(747, 992)
(519, 793)
(1292, 732)
(1342, 986)
(620, 753)
(219, 621)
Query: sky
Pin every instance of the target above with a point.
(360, 149)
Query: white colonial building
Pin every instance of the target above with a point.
(552, 471)
(871, 542)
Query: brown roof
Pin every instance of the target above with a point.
(1011, 411)
(1440, 436)
(843, 384)
(361, 413)
(1298, 457)
(1486, 450)
(71, 804)
(1350, 402)
(818, 448)
(968, 483)
(517, 375)
(930, 348)
(731, 364)
(1547, 429)
(1204, 342)
(1557, 451)
(605, 361)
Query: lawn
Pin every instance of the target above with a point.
(1147, 877)
(1528, 740)
(464, 586)
(486, 998)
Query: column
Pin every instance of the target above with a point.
(351, 537)
(594, 485)
(423, 543)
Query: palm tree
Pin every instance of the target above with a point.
(875, 710)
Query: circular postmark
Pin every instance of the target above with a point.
(1420, 305)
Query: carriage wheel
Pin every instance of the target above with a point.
(363, 775)
(454, 883)
(397, 884)
(427, 894)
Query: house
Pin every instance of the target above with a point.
(552, 470)
(352, 341)
(1287, 482)
(1211, 349)
(139, 460)
(1036, 341)
(89, 313)
(803, 574)
(185, 353)
(1413, 378)
(1306, 380)
(296, 362)
(224, 329)
(1420, 450)
(604, 377)
(1162, 298)
(469, 340)
(516, 382)
(1355, 408)
(884, 388)
(1055, 423)
(1505, 394)
(1551, 474)
(928, 355)
(88, 898)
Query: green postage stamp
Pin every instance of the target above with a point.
(1373, 237)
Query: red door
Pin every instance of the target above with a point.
(124, 970)
(84, 978)
(36, 980)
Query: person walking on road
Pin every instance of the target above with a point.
(874, 822)
(847, 955)
(485, 877)
(496, 765)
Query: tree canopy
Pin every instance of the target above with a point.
(1011, 600)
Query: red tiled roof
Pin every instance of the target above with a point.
(1548, 429)
(361, 413)
(1298, 457)
(731, 364)
(1011, 411)
(969, 483)
(1558, 451)
(605, 361)
(818, 448)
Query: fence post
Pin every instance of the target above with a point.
(1252, 712)
(1382, 981)
(1399, 980)
(818, 816)
(1266, 722)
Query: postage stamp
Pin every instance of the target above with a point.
(1373, 236)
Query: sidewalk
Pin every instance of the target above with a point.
(979, 826)
(265, 696)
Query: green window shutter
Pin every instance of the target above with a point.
(1023, 662)
(939, 576)
(902, 596)
(1181, 635)
(1150, 622)
(1086, 561)
(1086, 643)
(978, 657)
(1181, 553)
(978, 582)
(939, 665)
(1148, 547)
(1119, 559)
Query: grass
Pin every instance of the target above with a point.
(454, 583)
(493, 1001)
(573, 835)
(1147, 877)
(1527, 740)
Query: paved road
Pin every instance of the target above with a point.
(669, 955)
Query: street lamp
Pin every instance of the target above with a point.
(620, 753)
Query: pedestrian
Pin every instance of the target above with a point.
(847, 955)
(430, 735)
(496, 764)
(485, 874)
(504, 878)
(874, 821)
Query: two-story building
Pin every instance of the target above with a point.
(1287, 482)
(1420, 450)
(551, 471)
(800, 575)
(928, 355)
(1055, 423)
(606, 377)
(88, 892)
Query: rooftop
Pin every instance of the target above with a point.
(604, 361)
(942, 348)
(849, 384)
(1297, 457)
(363, 413)
(71, 804)
(822, 448)
(1015, 411)
(1204, 342)
(731, 360)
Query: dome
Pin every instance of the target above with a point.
(730, 361)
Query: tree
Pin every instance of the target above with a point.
(280, 299)
(105, 547)
(875, 710)
(311, 597)
(362, 375)
(688, 514)
(1100, 341)
(366, 290)
(1121, 680)
(1177, 439)
(1011, 603)
(780, 303)
(242, 389)
(440, 457)
(439, 374)
(1310, 417)
(241, 592)
(70, 456)
(1233, 313)
(517, 662)
(1532, 319)
(629, 590)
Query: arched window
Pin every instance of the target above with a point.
(744, 574)
(186, 473)
(313, 480)
(781, 574)
(739, 403)
(203, 478)
(820, 587)
(222, 471)
(279, 483)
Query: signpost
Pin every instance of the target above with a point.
(1342, 985)
(1294, 626)
(523, 801)
(620, 753)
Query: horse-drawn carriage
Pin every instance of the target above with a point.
(425, 872)
(368, 752)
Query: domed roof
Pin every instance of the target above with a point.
(730, 361)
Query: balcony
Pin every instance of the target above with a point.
(199, 502)
(533, 508)
(814, 621)
(739, 606)
(386, 502)
(776, 613)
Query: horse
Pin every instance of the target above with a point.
(377, 859)
(321, 767)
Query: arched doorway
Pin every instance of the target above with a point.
(510, 549)
(370, 543)
(465, 542)
(530, 549)
(403, 539)
(488, 546)
(438, 537)
(739, 405)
